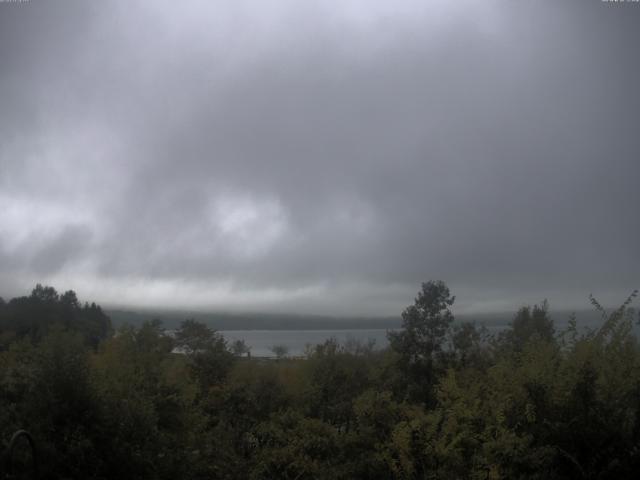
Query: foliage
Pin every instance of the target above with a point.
(530, 324)
(206, 350)
(240, 348)
(421, 340)
(280, 351)
(34, 316)
(446, 400)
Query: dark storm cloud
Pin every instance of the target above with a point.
(321, 156)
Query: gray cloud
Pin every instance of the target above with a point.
(59, 250)
(323, 157)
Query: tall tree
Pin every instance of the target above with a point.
(420, 342)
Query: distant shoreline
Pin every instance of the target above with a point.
(290, 322)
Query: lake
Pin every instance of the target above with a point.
(261, 341)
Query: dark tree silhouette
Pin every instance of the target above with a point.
(419, 343)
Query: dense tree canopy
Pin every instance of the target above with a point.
(35, 315)
(445, 400)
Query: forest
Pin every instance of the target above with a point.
(445, 400)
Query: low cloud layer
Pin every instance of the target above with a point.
(320, 157)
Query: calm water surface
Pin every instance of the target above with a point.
(261, 341)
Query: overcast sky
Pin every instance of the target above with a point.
(320, 156)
